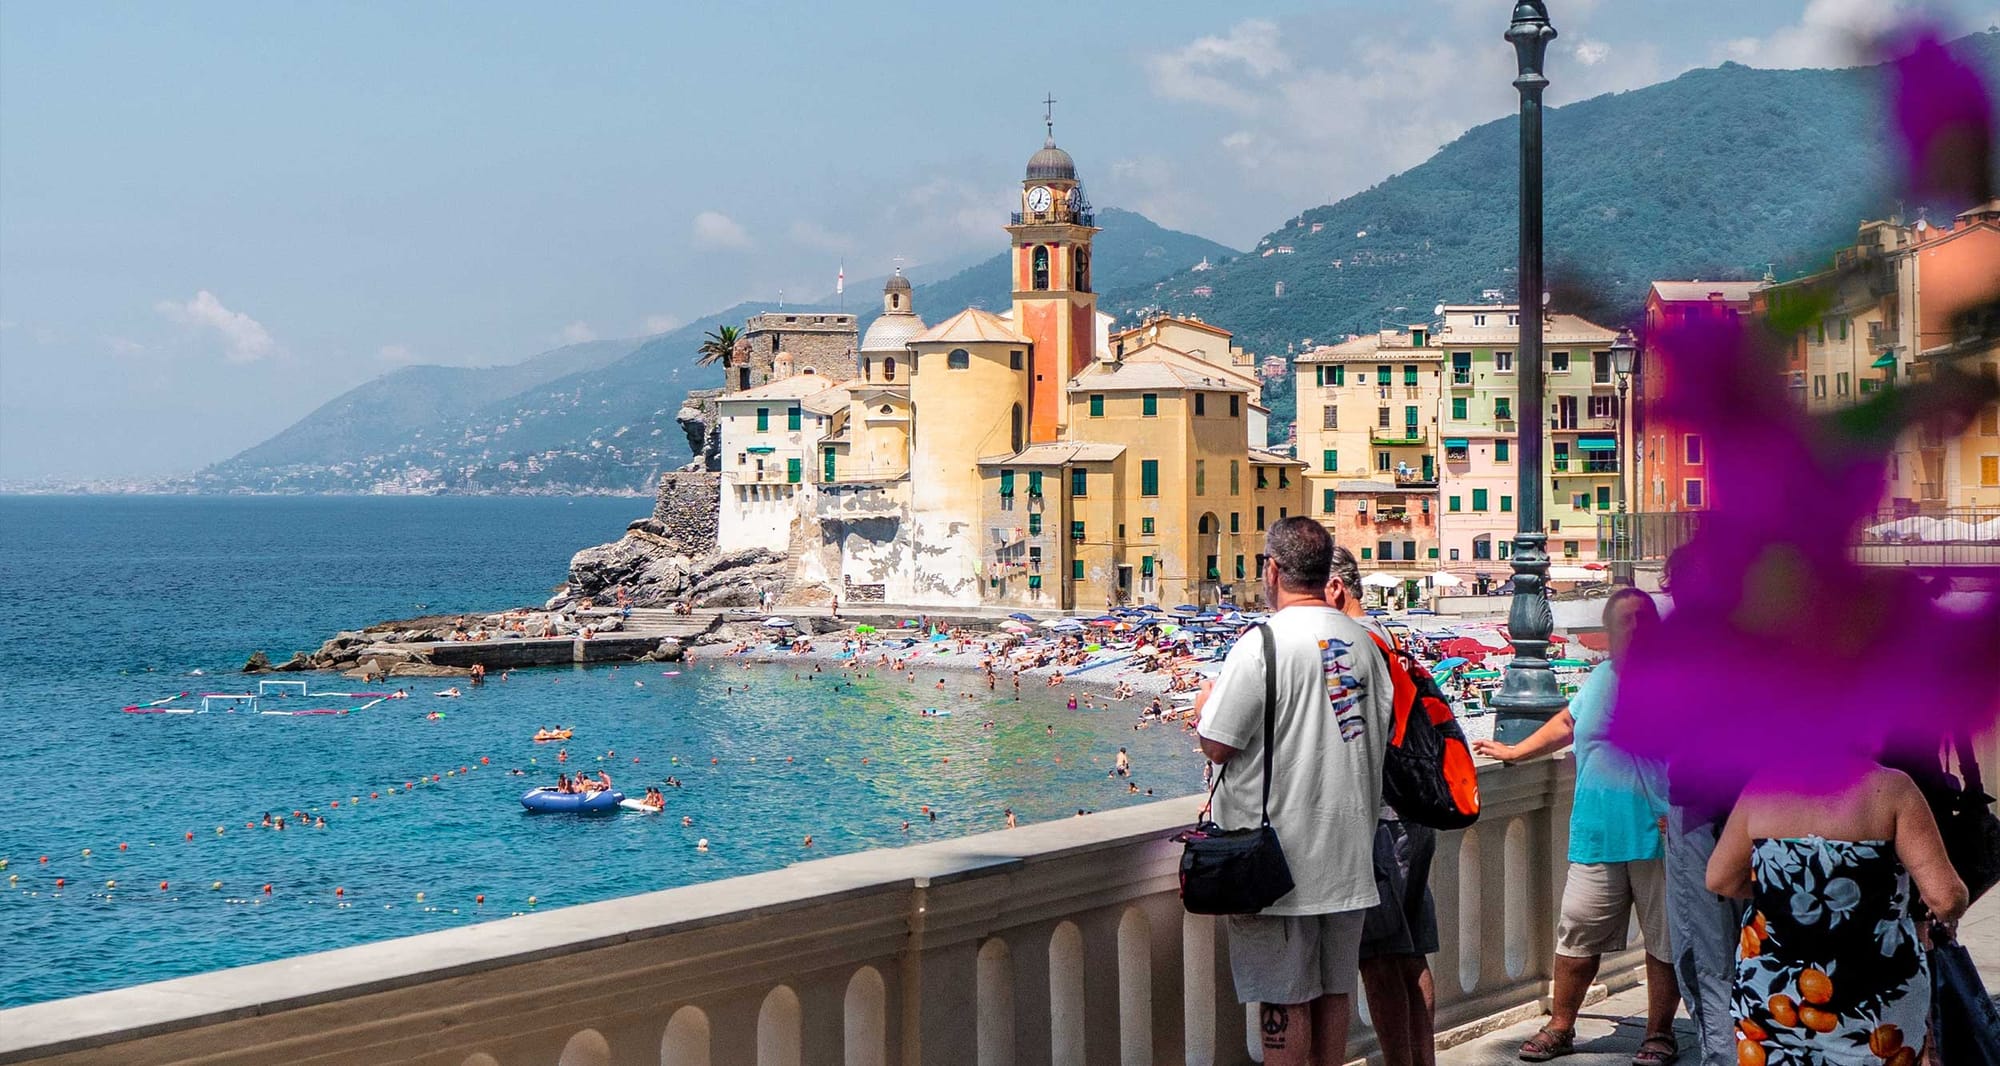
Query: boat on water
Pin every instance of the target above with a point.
(548, 800)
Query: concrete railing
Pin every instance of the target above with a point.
(1062, 943)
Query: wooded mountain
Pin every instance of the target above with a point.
(1721, 173)
(598, 417)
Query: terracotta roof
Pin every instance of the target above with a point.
(796, 387)
(827, 401)
(970, 326)
(1057, 453)
(1388, 346)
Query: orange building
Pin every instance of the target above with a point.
(1054, 306)
(1672, 463)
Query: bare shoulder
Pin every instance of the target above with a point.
(1893, 786)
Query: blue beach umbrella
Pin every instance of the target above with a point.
(1022, 616)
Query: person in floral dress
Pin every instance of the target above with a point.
(1830, 967)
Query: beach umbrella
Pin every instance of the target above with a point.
(1012, 626)
(1448, 665)
(1188, 608)
(1107, 620)
(778, 623)
(1445, 579)
(1019, 616)
(1147, 607)
(864, 628)
(1381, 581)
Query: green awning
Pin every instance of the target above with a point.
(1598, 444)
(1887, 360)
(1457, 442)
(760, 449)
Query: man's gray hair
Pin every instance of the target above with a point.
(1346, 571)
(1303, 550)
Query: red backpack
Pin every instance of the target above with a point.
(1427, 772)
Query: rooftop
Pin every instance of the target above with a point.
(970, 326)
(1271, 458)
(1556, 329)
(1691, 291)
(1057, 453)
(798, 386)
(1103, 377)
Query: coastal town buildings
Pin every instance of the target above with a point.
(1672, 464)
(1030, 459)
(1886, 312)
(1411, 436)
(1368, 433)
(777, 343)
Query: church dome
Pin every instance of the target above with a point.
(892, 332)
(897, 283)
(1051, 164)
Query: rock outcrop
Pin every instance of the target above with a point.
(652, 572)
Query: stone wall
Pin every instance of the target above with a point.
(824, 342)
(686, 509)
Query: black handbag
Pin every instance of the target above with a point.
(1966, 821)
(1238, 871)
(1964, 1021)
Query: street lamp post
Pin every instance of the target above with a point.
(1624, 354)
(1529, 694)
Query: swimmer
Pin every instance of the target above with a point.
(1011, 823)
(809, 841)
(686, 822)
(319, 822)
(940, 684)
(906, 827)
(701, 845)
(1072, 703)
(1052, 730)
(1132, 787)
(1124, 763)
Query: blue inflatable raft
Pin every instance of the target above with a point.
(550, 801)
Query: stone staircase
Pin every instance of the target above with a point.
(663, 622)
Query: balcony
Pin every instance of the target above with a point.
(1416, 481)
(1585, 467)
(1056, 217)
(1049, 939)
(1408, 436)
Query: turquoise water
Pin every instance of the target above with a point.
(115, 601)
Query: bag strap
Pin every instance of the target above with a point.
(1270, 711)
(1968, 764)
(1270, 706)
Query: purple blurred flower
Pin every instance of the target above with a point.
(1944, 118)
(1781, 652)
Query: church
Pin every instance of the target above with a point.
(1037, 458)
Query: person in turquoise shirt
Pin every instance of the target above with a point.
(1616, 833)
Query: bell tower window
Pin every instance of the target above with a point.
(1041, 267)
(1080, 269)
(895, 301)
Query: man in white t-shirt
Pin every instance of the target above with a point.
(1299, 956)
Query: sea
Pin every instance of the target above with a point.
(133, 844)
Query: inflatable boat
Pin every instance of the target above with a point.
(548, 800)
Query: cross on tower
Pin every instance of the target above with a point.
(1049, 116)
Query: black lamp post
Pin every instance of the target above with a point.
(1624, 354)
(1529, 694)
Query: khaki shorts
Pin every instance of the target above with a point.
(1293, 959)
(1597, 902)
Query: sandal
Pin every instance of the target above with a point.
(1548, 1044)
(1659, 1049)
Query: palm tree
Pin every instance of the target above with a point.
(716, 346)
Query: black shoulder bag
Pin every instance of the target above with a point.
(1967, 824)
(1238, 871)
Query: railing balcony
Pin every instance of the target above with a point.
(1581, 467)
(1055, 217)
(1415, 481)
(1059, 942)
(1461, 379)
(1408, 435)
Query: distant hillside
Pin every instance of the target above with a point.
(1720, 173)
(360, 419)
(567, 423)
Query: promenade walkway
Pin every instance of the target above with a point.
(1609, 1030)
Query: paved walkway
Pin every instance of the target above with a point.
(1608, 1032)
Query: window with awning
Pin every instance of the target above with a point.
(1885, 362)
(1598, 444)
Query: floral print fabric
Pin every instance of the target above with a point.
(1828, 968)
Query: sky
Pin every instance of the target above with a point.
(216, 216)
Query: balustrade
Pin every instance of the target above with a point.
(1059, 944)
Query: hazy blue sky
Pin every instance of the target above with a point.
(215, 216)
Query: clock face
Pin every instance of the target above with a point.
(1038, 198)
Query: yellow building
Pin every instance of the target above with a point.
(1368, 434)
(1030, 459)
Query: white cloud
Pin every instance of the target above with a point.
(1590, 53)
(247, 340)
(1308, 124)
(578, 333)
(714, 231)
(815, 236)
(396, 353)
(662, 323)
(1829, 33)
(1224, 71)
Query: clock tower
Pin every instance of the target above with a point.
(1053, 302)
